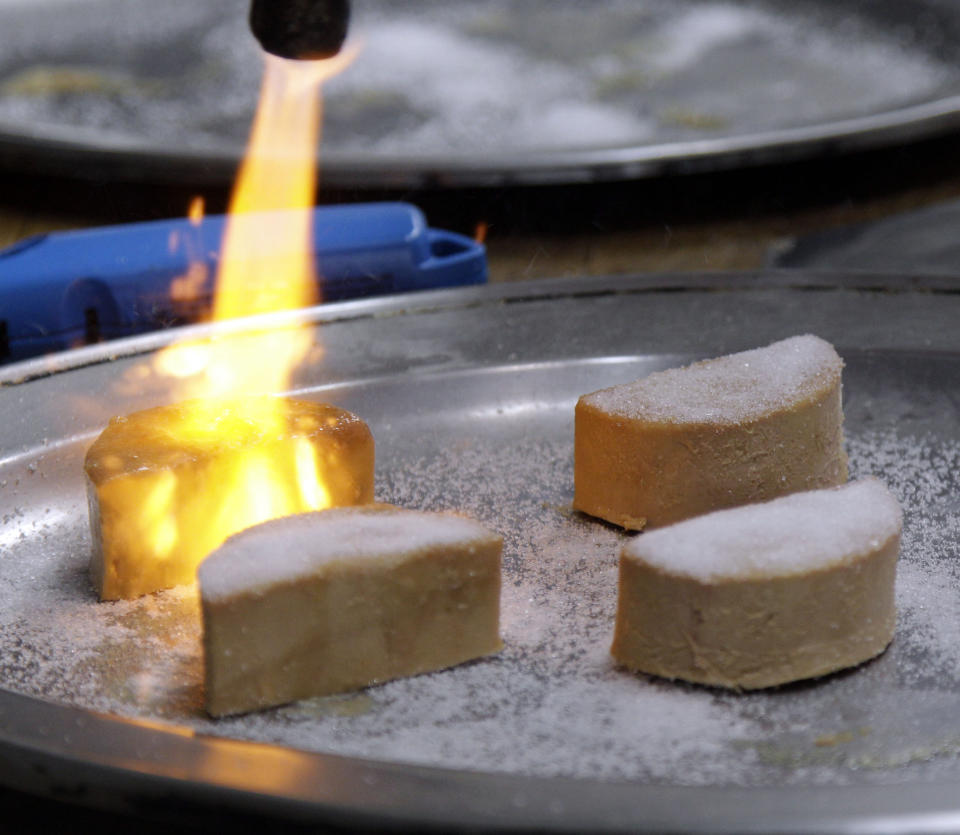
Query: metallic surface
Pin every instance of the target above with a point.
(513, 359)
(150, 94)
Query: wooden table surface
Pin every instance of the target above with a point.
(723, 221)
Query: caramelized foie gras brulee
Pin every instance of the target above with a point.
(168, 485)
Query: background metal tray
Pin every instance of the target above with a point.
(481, 93)
(470, 397)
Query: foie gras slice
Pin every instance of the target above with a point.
(742, 428)
(167, 485)
(765, 594)
(336, 600)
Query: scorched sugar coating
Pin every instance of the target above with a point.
(551, 703)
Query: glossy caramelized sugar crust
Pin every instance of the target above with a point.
(163, 494)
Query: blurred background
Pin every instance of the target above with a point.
(575, 138)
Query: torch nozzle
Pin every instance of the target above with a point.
(302, 29)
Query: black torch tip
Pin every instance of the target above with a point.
(303, 29)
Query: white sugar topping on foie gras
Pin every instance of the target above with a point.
(765, 594)
(336, 600)
(738, 429)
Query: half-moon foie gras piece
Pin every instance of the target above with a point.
(167, 485)
(765, 594)
(326, 602)
(742, 428)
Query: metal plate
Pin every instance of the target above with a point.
(497, 92)
(470, 396)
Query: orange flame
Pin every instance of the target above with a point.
(480, 233)
(186, 291)
(266, 265)
(266, 261)
(196, 211)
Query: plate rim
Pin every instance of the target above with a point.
(57, 149)
(50, 150)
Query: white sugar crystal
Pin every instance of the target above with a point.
(732, 389)
(282, 550)
(795, 534)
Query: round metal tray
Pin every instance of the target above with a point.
(500, 92)
(470, 395)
